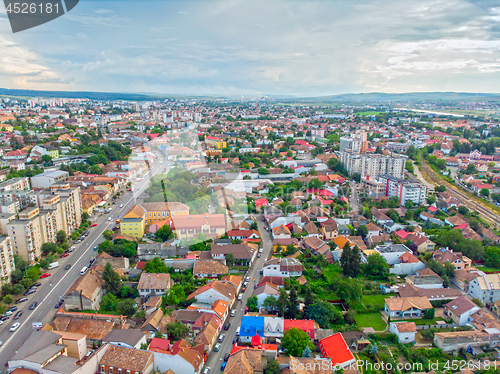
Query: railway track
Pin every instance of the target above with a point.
(464, 198)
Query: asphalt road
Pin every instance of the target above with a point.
(354, 196)
(55, 286)
(215, 359)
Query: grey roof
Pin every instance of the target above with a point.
(36, 342)
(127, 336)
(63, 364)
(52, 174)
(393, 248)
(45, 353)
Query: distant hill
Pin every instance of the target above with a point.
(78, 95)
(380, 97)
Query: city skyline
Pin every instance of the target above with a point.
(258, 48)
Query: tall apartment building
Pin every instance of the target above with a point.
(404, 189)
(6, 260)
(372, 165)
(22, 183)
(54, 211)
(354, 144)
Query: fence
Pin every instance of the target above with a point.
(444, 326)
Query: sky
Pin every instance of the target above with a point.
(254, 47)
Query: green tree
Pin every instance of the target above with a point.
(125, 291)
(252, 304)
(362, 231)
(324, 313)
(350, 260)
(44, 264)
(492, 257)
(109, 302)
(164, 233)
(293, 304)
(155, 266)
(294, 342)
(159, 335)
(377, 267)
(8, 299)
(126, 307)
(107, 234)
(16, 276)
(3, 308)
(111, 278)
(270, 303)
(282, 302)
(95, 169)
(46, 158)
(349, 290)
(18, 289)
(47, 248)
(20, 263)
(176, 330)
(484, 192)
(272, 367)
(61, 236)
(34, 273)
(229, 259)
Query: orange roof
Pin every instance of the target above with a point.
(335, 348)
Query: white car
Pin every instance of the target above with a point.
(110, 218)
(233, 312)
(15, 326)
(240, 296)
(121, 205)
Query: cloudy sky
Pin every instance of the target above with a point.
(272, 47)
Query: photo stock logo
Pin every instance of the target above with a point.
(26, 14)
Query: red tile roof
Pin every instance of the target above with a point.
(335, 348)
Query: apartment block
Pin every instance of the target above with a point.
(6, 260)
(22, 183)
(54, 211)
(373, 165)
(404, 189)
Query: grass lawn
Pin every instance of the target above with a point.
(485, 268)
(370, 320)
(423, 321)
(374, 300)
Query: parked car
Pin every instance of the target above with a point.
(30, 291)
(33, 306)
(21, 300)
(15, 326)
(221, 338)
(12, 309)
(37, 284)
(223, 366)
(233, 312)
(18, 315)
(235, 340)
(59, 303)
(227, 326)
(67, 267)
(93, 225)
(240, 297)
(217, 347)
(65, 255)
(226, 357)
(45, 275)
(206, 370)
(259, 255)
(4, 318)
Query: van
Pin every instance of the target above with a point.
(54, 265)
(84, 270)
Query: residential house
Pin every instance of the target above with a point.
(407, 307)
(120, 360)
(263, 291)
(373, 230)
(243, 254)
(209, 269)
(405, 331)
(485, 287)
(335, 348)
(213, 291)
(129, 338)
(460, 310)
(151, 284)
(407, 264)
(86, 292)
(460, 261)
(329, 229)
(282, 267)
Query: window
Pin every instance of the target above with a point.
(119, 370)
(110, 371)
(103, 370)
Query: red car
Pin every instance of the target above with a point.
(129, 189)
(93, 225)
(65, 255)
(45, 275)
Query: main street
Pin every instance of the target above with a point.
(56, 286)
(215, 359)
